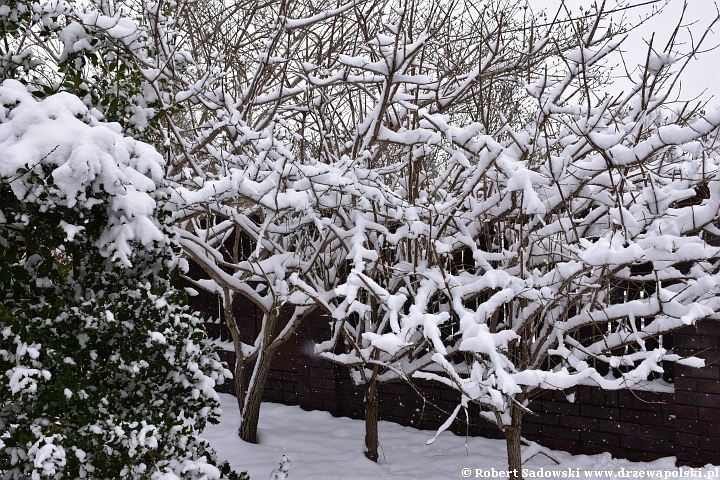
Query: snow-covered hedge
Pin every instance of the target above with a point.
(103, 372)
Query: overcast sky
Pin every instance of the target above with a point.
(703, 73)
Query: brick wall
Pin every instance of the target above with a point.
(697, 396)
(317, 379)
(628, 424)
(634, 425)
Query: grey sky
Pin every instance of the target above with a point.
(703, 72)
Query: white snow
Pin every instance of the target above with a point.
(322, 447)
(83, 156)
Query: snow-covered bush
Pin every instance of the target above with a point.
(103, 372)
(100, 51)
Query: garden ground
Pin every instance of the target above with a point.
(323, 447)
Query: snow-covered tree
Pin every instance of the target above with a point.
(253, 187)
(305, 180)
(103, 372)
(574, 236)
(408, 76)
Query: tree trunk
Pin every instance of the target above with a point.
(371, 420)
(253, 398)
(249, 399)
(513, 436)
(239, 378)
(239, 373)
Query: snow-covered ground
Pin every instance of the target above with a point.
(322, 447)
